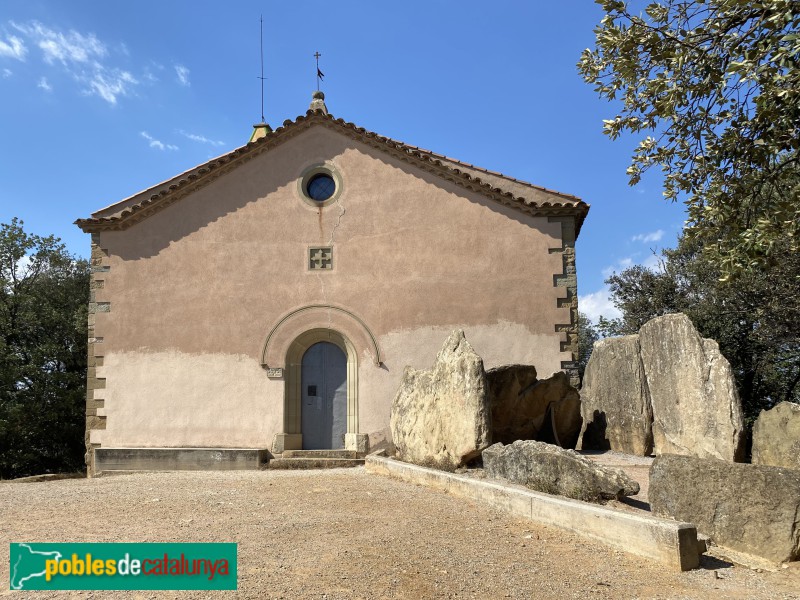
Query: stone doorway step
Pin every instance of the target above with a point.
(316, 459)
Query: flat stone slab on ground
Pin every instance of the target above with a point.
(553, 470)
(636, 467)
(749, 508)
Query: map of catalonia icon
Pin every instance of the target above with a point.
(28, 564)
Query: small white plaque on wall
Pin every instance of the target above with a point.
(275, 373)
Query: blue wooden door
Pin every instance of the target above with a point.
(324, 397)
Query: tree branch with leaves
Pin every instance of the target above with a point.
(715, 86)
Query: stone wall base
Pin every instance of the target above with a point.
(179, 459)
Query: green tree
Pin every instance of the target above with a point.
(754, 320)
(44, 294)
(715, 86)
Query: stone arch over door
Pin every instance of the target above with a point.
(292, 438)
(289, 338)
(318, 316)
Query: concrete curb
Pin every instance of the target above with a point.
(669, 542)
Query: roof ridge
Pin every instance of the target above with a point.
(196, 176)
(482, 169)
(499, 174)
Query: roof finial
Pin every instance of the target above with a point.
(318, 98)
(318, 103)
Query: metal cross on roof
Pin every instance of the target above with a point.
(320, 74)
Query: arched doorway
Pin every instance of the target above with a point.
(296, 393)
(323, 388)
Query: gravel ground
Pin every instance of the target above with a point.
(348, 534)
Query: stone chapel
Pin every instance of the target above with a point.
(269, 299)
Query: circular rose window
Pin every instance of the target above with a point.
(320, 185)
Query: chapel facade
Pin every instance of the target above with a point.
(270, 298)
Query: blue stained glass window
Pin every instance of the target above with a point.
(320, 187)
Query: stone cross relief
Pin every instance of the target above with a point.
(320, 258)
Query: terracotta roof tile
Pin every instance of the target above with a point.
(129, 211)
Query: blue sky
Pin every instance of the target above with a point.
(103, 99)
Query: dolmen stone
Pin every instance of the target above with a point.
(696, 408)
(776, 436)
(665, 384)
(547, 468)
(752, 509)
(615, 401)
(527, 408)
(441, 417)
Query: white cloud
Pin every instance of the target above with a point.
(200, 138)
(653, 236)
(620, 265)
(149, 77)
(7, 73)
(158, 144)
(109, 85)
(22, 266)
(183, 75)
(43, 85)
(66, 48)
(13, 48)
(151, 72)
(598, 303)
(652, 262)
(83, 57)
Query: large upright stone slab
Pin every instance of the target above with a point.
(553, 470)
(441, 418)
(696, 408)
(527, 408)
(749, 508)
(776, 436)
(615, 401)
